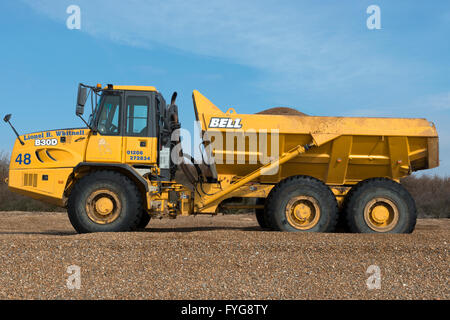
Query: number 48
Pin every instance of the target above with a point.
(26, 159)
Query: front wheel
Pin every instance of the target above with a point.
(144, 220)
(104, 201)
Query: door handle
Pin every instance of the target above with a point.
(143, 143)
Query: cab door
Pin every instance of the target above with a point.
(139, 141)
(105, 145)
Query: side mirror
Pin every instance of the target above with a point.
(7, 118)
(81, 100)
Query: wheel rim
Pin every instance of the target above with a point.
(103, 206)
(303, 212)
(381, 214)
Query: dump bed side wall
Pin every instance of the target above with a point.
(357, 148)
(345, 160)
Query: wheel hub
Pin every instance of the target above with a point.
(303, 212)
(381, 214)
(103, 206)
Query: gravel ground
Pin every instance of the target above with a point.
(222, 257)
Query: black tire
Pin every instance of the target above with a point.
(144, 220)
(128, 213)
(341, 226)
(260, 217)
(366, 192)
(301, 186)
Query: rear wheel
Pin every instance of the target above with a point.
(380, 205)
(104, 201)
(301, 204)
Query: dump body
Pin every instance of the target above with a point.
(348, 149)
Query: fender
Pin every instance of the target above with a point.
(122, 167)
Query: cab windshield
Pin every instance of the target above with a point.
(93, 117)
(108, 115)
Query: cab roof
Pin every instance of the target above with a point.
(131, 88)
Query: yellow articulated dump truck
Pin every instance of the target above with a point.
(127, 165)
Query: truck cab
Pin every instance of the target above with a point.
(128, 131)
(124, 128)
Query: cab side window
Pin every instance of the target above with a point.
(137, 116)
(108, 121)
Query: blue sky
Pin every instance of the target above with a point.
(316, 56)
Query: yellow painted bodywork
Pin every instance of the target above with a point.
(56, 162)
(118, 149)
(106, 149)
(50, 169)
(149, 152)
(29, 182)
